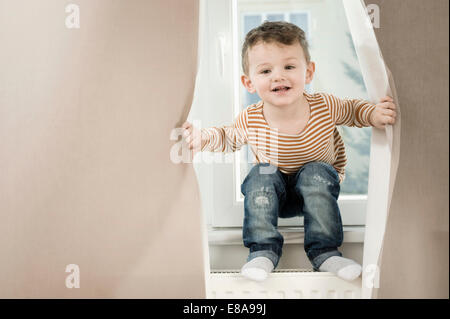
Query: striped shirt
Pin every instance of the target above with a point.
(319, 141)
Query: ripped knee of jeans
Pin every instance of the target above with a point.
(320, 179)
(262, 197)
(261, 200)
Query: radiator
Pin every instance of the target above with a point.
(282, 284)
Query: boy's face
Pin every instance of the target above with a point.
(278, 73)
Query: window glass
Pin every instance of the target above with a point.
(337, 72)
(275, 17)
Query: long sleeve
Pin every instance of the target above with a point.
(227, 138)
(349, 112)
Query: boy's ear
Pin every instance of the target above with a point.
(248, 84)
(310, 69)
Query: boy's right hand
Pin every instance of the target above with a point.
(193, 136)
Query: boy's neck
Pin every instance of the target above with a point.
(286, 112)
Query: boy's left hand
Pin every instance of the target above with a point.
(384, 113)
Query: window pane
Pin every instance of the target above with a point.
(357, 147)
(337, 72)
(275, 17)
(300, 20)
(250, 22)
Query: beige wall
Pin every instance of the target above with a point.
(85, 120)
(413, 37)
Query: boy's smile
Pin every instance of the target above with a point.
(281, 89)
(278, 73)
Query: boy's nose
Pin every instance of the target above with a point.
(278, 76)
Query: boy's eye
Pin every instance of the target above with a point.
(265, 71)
(289, 67)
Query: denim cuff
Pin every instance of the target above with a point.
(316, 262)
(265, 253)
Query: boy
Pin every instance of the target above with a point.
(300, 168)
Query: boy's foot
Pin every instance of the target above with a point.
(257, 269)
(344, 268)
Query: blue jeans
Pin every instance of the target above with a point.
(312, 192)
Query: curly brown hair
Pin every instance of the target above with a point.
(277, 31)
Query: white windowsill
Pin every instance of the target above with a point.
(291, 235)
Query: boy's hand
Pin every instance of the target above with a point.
(193, 136)
(384, 113)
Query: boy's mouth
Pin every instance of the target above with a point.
(281, 88)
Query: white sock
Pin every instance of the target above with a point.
(257, 269)
(344, 268)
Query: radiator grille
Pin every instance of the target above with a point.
(236, 271)
(282, 284)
